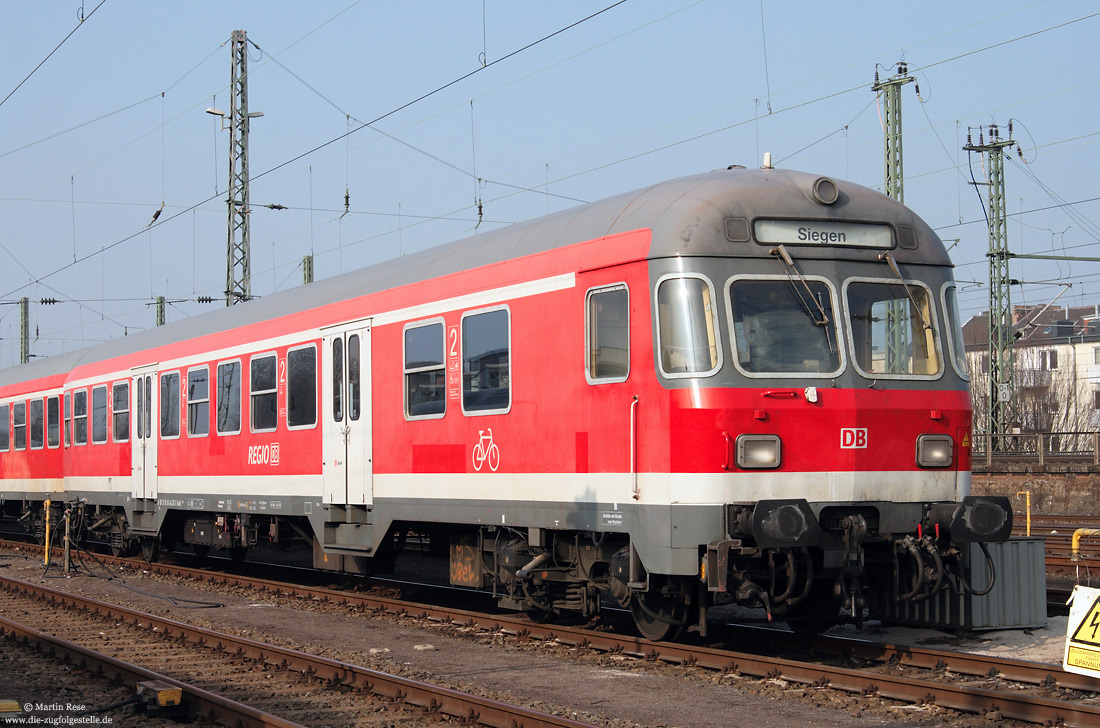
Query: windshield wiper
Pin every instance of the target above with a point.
(821, 319)
(781, 253)
(912, 299)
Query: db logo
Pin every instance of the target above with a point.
(853, 438)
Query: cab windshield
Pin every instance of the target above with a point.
(892, 331)
(784, 326)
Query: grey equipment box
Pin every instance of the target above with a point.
(1017, 601)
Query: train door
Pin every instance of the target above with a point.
(346, 435)
(143, 437)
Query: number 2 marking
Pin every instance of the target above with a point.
(454, 341)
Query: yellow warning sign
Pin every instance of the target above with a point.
(1083, 632)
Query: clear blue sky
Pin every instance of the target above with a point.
(643, 92)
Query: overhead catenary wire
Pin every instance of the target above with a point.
(445, 86)
(371, 125)
(331, 141)
(560, 179)
(547, 183)
(41, 63)
(1089, 227)
(764, 43)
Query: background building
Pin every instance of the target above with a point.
(1057, 366)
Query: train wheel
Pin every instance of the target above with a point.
(539, 616)
(117, 545)
(150, 548)
(659, 615)
(201, 550)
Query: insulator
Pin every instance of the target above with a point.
(876, 77)
(1010, 128)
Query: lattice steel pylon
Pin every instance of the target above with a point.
(238, 273)
(1001, 396)
(897, 341)
(24, 330)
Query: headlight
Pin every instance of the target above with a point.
(935, 451)
(758, 451)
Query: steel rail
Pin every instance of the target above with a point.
(202, 702)
(959, 697)
(1022, 671)
(432, 699)
(965, 698)
(1017, 670)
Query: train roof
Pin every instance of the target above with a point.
(686, 216)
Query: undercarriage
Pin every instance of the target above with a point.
(811, 568)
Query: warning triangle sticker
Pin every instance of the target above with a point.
(1088, 631)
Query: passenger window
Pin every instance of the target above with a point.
(169, 404)
(486, 372)
(80, 417)
(229, 398)
(265, 396)
(53, 424)
(5, 427)
(198, 402)
(301, 387)
(19, 425)
(607, 327)
(353, 377)
(687, 328)
(425, 375)
(338, 379)
(783, 327)
(99, 415)
(146, 416)
(120, 409)
(37, 425)
(139, 402)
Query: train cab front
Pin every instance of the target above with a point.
(828, 395)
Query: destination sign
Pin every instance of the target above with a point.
(823, 232)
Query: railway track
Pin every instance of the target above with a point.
(1057, 533)
(1033, 692)
(264, 680)
(151, 687)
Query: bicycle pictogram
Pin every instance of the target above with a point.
(486, 449)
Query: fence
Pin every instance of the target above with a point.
(1081, 447)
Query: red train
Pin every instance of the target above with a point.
(743, 386)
